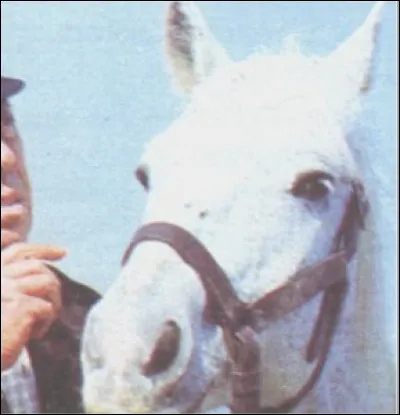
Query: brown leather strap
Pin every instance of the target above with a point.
(304, 285)
(227, 308)
(224, 307)
(244, 352)
(238, 319)
(328, 317)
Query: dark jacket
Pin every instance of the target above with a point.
(56, 357)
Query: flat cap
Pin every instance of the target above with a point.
(10, 87)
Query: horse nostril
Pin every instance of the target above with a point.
(164, 351)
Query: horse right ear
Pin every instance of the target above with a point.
(351, 62)
(191, 49)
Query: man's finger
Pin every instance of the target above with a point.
(8, 238)
(22, 318)
(45, 315)
(44, 286)
(23, 269)
(32, 251)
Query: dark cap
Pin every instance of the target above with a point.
(10, 87)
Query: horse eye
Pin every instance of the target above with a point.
(142, 175)
(312, 186)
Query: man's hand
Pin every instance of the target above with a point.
(30, 296)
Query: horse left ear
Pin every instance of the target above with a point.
(352, 60)
(192, 51)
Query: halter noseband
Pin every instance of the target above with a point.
(239, 320)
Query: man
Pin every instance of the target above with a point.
(42, 311)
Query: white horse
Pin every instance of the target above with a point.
(258, 169)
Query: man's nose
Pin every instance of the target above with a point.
(8, 158)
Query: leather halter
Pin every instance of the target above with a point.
(240, 321)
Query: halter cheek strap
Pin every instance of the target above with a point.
(239, 320)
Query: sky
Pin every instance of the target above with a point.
(97, 91)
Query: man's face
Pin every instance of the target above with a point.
(16, 209)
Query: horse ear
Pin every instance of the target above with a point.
(191, 49)
(352, 60)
